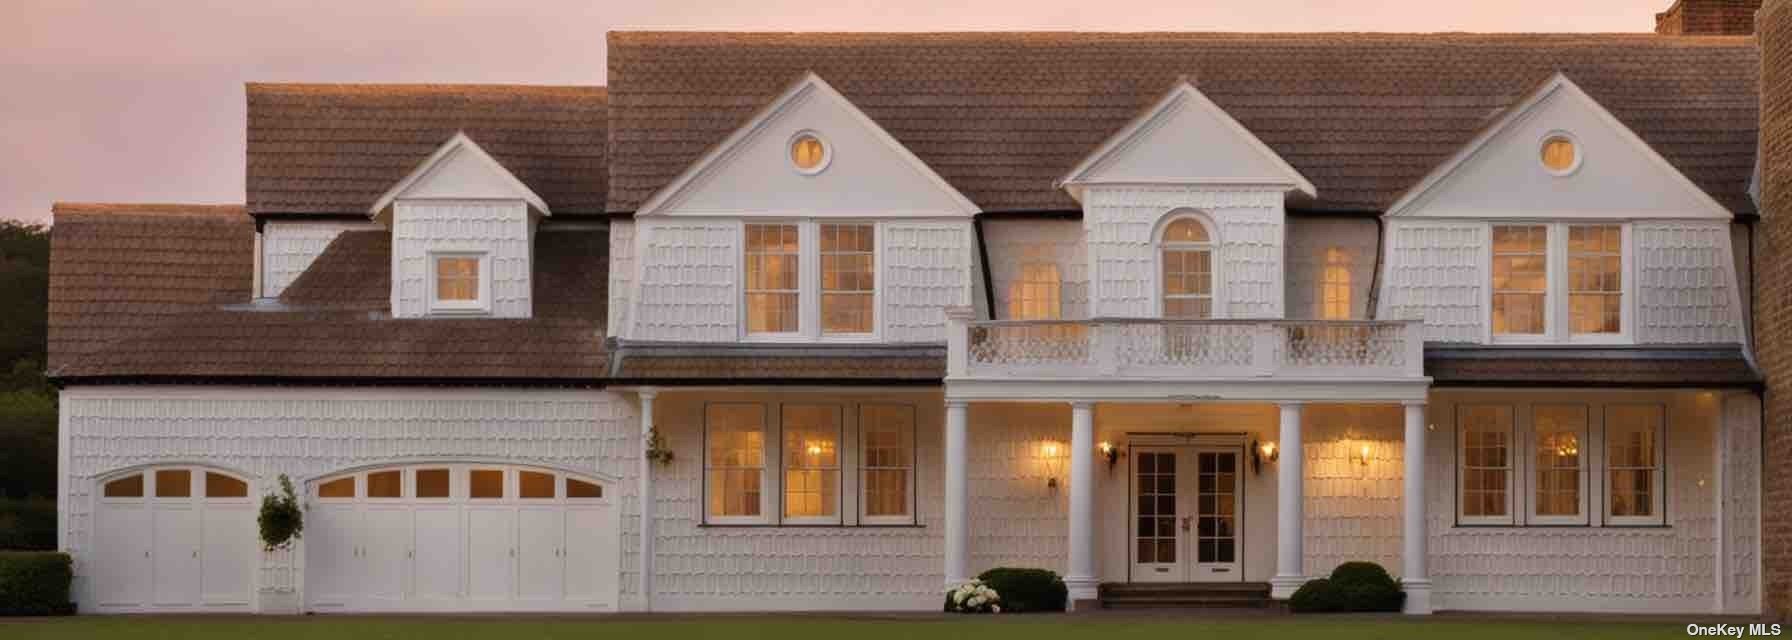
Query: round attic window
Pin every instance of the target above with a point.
(809, 153)
(1560, 154)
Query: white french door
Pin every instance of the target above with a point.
(1185, 514)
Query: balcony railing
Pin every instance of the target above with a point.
(1171, 349)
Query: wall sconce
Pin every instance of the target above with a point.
(1361, 455)
(1261, 451)
(1111, 452)
(1049, 453)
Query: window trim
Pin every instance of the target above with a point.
(839, 469)
(827, 152)
(768, 449)
(809, 329)
(481, 304)
(1215, 291)
(1584, 468)
(1017, 287)
(1557, 312)
(914, 462)
(1580, 154)
(1658, 499)
(1512, 466)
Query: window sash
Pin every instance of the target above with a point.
(1595, 279)
(1643, 425)
(848, 278)
(1519, 280)
(1484, 477)
(459, 281)
(773, 258)
(1334, 287)
(1187, 280)
(812, 462)
(1559, 469)
(886, 464)
(734, 463)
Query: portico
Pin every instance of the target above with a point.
(1174, 477)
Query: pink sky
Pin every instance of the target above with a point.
(142, 101)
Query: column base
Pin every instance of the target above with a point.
(1283, 587)
(1418, 597)
(1083, 588)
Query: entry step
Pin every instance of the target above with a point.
(1192, 595)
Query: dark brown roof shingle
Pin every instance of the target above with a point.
(334, 149)
(1003, 115)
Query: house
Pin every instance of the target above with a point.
(899, 308)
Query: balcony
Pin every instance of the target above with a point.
(1185, 350)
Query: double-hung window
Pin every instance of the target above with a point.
(1558, 476)
(1633, 461)
(1558, 282)
(804, 279)
(1582, 463)
(1484, 466)
(814, 464)
(459, 282)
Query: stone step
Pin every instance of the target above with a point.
(1230, 595)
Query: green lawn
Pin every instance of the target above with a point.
(768, 627)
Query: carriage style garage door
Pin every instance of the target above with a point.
(173, 539)
(461, 537)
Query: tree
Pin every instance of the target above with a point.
(25, 286)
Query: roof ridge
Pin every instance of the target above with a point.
(417, 87)
(146, 208)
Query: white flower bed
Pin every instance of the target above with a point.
(973, 597)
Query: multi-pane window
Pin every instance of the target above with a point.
(887, 462)
(1633, 459)
(811, 462)
(1558, 493)
(1334, 285)
(1485, 463)
(773, 290)
(1036, 294)
(848, 277)
(1187, 263)
(735, 461)
(1595, 278)
(1520, 279)
(457, 278)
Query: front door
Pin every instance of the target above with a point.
(1185, 514)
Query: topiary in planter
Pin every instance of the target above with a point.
(1024, 590)
(281, 520)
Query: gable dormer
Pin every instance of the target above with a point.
(1557, 224)
(1183, 213)
(462, 236)
(809, 223)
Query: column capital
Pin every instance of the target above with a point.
(953, 403)
(1082, 404)
(1414, 403)
(647, 393)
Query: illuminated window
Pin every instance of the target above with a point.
(848, 277)
(1560, 155)
(735, 461)
(1520, 279)
(1559, 434)
(127, 487)
(385, 484)
(583, 489)
(887, 439)
(1595, 278)
(338, 488)
(485, 484)
(1633, 460)
(808, 153)
(772, 278)
(811, 463)
(1036, 294)
(432, 483)
(1485, 464)
(218, 485)
(1186, 252)
(458, 282)
(534, 485)
(1334, 285)
(174, 483)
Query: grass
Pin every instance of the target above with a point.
(784, 627)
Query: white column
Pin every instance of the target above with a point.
(1413, 577)
(1289, 495)
(645, 500)
(958, 496)
(1081, 577)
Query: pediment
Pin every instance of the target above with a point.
(1501, 173)
(866, 172)
(1185, 139)
(460, 170)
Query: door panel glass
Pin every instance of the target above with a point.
(385, 484)
(535, 485)
(338, 488)
(218, 485)
(1215, 518)
(128, 487)
(1157, 507)
(485, 483)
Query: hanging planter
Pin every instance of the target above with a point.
(281, 520)
(657, 450)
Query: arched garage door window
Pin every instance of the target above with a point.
(461, 536)
(173, 538)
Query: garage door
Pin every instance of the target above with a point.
(173, 539)
(461, 537)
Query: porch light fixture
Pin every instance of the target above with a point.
(1361, 455)
(1048, 453)
(1261, 451)
(1112, 452)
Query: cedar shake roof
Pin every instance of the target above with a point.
(1002, 115)
(1590, 366)
(334, 149)
(116, 269)
(332, 323)
(834, 364)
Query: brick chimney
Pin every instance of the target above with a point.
(1708, 18)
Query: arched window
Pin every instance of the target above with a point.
(1187, 266)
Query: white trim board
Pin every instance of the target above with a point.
(443, 157)
(1184, 111)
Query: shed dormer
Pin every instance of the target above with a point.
(462, 236)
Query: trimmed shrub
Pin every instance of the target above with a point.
(27, 524)
(1024, 590)
(35, 583)
(1353, 586)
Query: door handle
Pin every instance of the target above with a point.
(195, 555)
(146, 554)
(1185, 521)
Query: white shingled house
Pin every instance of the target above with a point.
(1197, 309)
